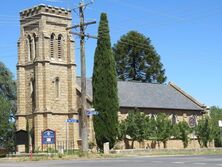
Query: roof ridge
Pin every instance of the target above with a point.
(131, 81)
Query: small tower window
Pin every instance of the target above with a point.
(34, 46)
(52, 40)
(29, 48)
(60, 46)
(32, 93)
(57, 89)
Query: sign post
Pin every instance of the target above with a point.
(30, 152)
(91, 112)
(70, 120)
(67, 133)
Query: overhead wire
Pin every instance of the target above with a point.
(136, 43)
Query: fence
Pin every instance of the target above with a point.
(60, 146)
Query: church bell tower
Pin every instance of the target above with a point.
(46, 75)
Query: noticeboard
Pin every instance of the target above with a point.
(21, 137)
(48, 137)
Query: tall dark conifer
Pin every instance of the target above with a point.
(105, 96)
(137, 59)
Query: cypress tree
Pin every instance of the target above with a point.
(104, 82)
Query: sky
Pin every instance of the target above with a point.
(187, 35)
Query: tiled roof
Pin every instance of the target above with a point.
(147, 95)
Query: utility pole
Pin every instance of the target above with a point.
(82, 35)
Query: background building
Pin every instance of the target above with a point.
(157, 98)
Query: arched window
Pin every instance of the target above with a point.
(29, 48)
(57, 89)
(192, 121)
(174, 119)
(32, 93)
(52, 40)
(34, 46)
(60, 46)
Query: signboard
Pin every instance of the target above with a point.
(72, 120)
(48, 137)
(89, 113)
(220, 123)
(21, 137)
(192, 121)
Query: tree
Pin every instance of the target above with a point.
(7, 108)
(216, 115)
(136, 126)
(182, 131)
(151, 133)
(104, 81)
(136, 59)
(163, 128)
(7, 84)
(205, 131)
(122, 133)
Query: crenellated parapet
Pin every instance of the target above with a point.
(43, 9)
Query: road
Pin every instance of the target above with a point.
(176, 161)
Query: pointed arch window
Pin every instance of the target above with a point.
(34, 46)
(192, 121)
(32, 93)
(57, 87)
(52, 40)
(29, 48)
(60, 46)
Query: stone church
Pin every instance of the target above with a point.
(46, 74)
(48, 90)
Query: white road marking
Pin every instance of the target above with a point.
(199, 163)
(178, 162)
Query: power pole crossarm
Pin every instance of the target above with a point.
(84, 24)
(85, 35)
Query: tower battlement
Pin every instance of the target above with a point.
(45, 9)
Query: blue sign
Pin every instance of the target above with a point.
(48, 137)
(72, 120)
(92, 113)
